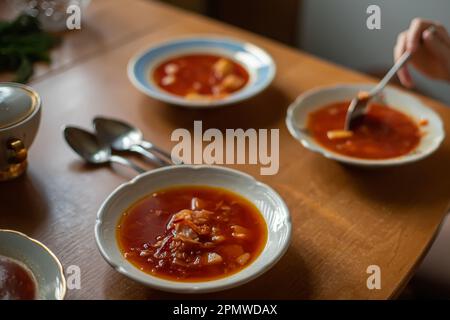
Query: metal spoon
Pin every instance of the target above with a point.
(87, 146)
(358, 106)
(122, 136)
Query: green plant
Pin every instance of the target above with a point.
(23, 42)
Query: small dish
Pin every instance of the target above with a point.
(258, 63)
(270, 204)
(312, 100)
(44, 265)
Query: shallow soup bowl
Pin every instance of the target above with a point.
(432, 134)
(41, 262)
(271, 206)
(257, 62)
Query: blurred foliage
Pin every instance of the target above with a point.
(23, 42)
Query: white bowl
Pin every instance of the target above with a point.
(39, 259)
(272, 207)
(258, 63)
(312, 100)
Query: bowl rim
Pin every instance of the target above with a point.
(163, 96)
(196, 288)
(329, 154)
(49, 252)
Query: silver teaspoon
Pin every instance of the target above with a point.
(86, 145)
(122, 136)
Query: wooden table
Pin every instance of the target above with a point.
(344, 219)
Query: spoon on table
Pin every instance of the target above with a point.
(358, 106)
(122, 136)
(86, 145)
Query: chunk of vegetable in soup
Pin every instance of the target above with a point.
(382, 133)
(200, 76)
(16, 281)
(192, 233)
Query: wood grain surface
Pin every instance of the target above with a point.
(344, 218)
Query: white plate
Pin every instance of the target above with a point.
(271, 205)
(255, 60)
(310, 101)
(39, 259)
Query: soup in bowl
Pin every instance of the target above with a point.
(193, 229)
(28, 269)
(200, 76)
(396, 129)
(202, 71)
(192, 233)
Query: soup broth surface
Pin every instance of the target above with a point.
(382, 133)
(192, 233)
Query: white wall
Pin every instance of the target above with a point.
(336, 30)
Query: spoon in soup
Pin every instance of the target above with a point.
(122, 136)
(86, 145)
(358, 105)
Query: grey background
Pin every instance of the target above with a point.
(336, 30)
